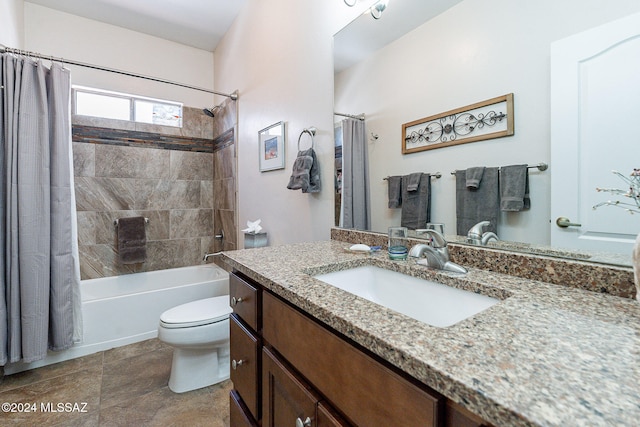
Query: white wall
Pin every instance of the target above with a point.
(278, 54)
(11, 23)
(60, 34)
(477, 50)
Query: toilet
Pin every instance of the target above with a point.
(199, 333)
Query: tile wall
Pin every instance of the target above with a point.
(182, 180)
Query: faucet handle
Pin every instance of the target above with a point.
(437, 240)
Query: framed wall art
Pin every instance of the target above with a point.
(488, 119)
(272, 142)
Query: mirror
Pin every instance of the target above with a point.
(457, 54)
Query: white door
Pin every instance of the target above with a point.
(595, 128)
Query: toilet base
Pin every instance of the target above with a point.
(194, 368)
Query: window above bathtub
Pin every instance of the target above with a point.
(122, 106)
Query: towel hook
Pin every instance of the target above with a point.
(311, 131)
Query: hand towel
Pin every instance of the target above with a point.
(414, 181)
(416, 205)
(473, 206)
(473, 177)
(514, 188)
(305, 175)
(132, 240)
(394, 191)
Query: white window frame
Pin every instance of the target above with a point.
(132, 103)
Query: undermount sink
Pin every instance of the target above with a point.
(427, 301)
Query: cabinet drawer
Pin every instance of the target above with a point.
(245, 362)
(244, 299)
(327, 417)
(239, 415)
(368, 393)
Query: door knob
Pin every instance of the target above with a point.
(566, 222)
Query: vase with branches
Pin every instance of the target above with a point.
(632, 206)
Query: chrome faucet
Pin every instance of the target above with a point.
(206, 257)
(436, 254)
(477, 235)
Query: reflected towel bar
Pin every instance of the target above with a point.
(539, 166)
(436, 175)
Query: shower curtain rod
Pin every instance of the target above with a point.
(4, 49)
(351, 116)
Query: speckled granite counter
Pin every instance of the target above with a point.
(546, 355)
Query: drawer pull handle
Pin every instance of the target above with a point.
(305, 423)
(236, 363)
(235, 301)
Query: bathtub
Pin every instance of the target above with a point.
(122, 310)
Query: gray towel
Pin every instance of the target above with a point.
(394, 191)
(132, 240)
(305, 175)
(473, 177)
(514, 188)
(416, 205)
(414, 181)
(473, 206)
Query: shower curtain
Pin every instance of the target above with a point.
(356, 204)
(39, 268)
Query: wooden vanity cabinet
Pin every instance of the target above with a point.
(301, 373)
(244, 351)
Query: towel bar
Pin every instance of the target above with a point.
(436, 175)
(115, 221)
(539, 166)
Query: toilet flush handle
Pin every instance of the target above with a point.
(235, 301)
(235, 363)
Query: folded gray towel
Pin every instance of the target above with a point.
(416, 205)
(473, 177)
(414, 181)
(132, 240)
(514, 188)
(473, 206)
(394, 191)
(305, 175)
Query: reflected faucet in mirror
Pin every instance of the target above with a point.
(477, 235)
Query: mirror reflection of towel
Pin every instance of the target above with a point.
(132, 240)
(394, 191)
(514, 188)
(416, 205)
(473, 206)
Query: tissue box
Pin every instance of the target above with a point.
(255, 240)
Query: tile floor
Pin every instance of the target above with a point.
(125, 386)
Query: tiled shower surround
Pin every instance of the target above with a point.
(182, 180)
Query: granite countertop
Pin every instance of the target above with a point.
(546, 355)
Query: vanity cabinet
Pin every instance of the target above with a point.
(305, 374)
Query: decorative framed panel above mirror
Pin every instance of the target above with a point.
(488, 119)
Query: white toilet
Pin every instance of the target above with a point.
(199, 331)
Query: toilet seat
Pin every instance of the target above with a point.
(197, 313)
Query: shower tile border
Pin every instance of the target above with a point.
(132, 138)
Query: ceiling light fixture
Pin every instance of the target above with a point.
(378, 8)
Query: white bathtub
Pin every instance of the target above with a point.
(122, 310)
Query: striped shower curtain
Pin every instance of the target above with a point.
(39, 270)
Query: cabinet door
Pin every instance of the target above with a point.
(244, 299)
(327, 417)
(457, 416)
(286, 400)
(239, 415)
(244, 355)
(367, 392)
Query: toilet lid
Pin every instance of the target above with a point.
(197, 313)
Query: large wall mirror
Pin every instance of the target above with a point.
(457, 54)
